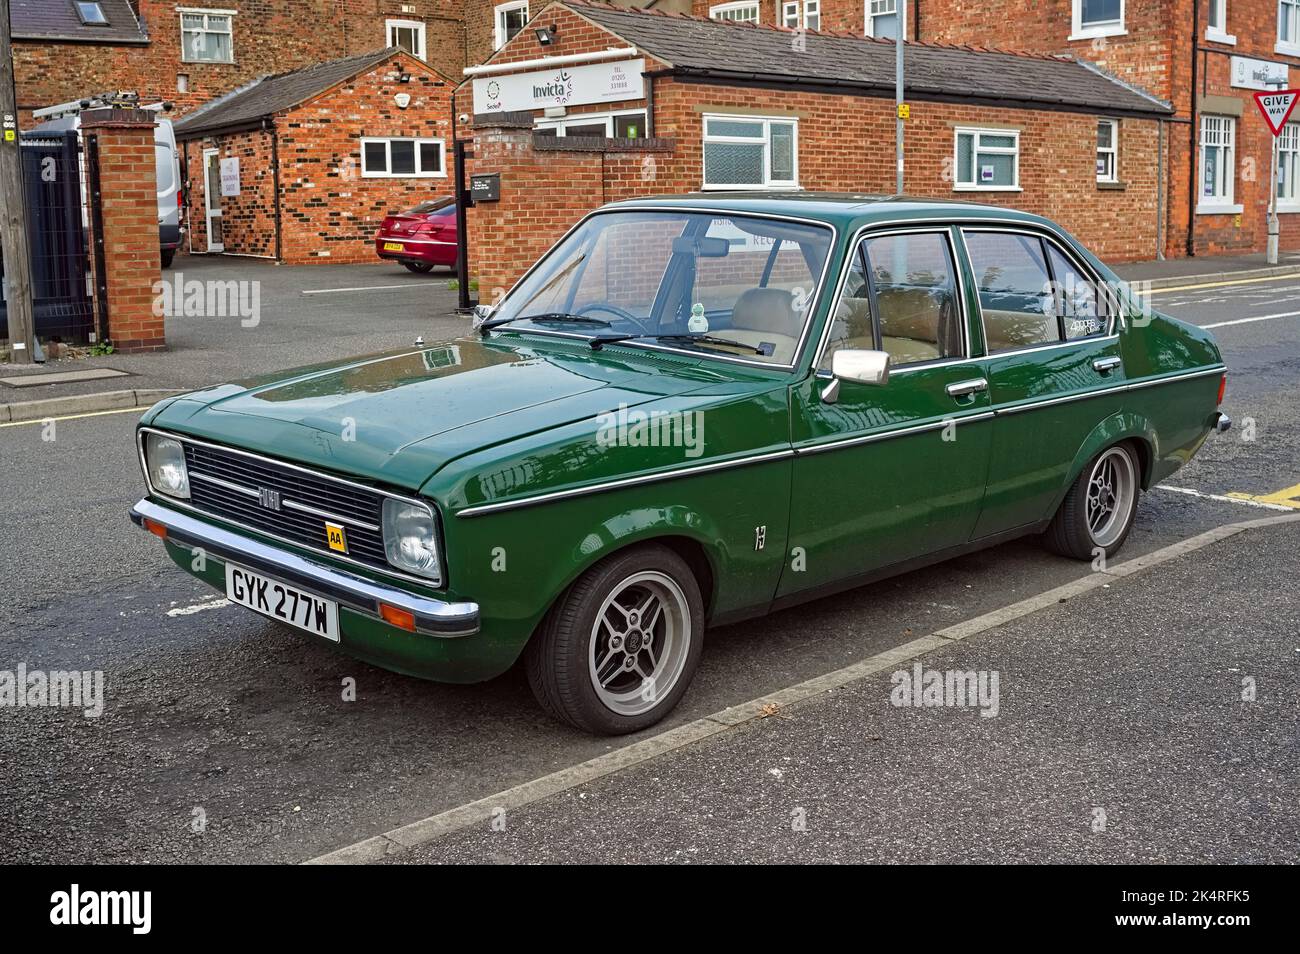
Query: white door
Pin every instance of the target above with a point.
(212, 198)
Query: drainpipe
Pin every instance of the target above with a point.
(1192, 138)
(649, 104)
(1161, 188)
(269, 124)
(916, 20)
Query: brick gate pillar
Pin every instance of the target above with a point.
(129, 224)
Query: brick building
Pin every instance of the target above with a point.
(1205, 57)
(627, 103)
(189, 51)
(302, 166)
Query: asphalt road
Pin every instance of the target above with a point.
(217, 716)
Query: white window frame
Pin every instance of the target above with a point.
(1222, 202)
(976, 150)
(1289, 143)
(1112, 150)
(388, 158)
(801, 14)
(561, 124)
(1218, 32)
(869, 18)
(1288, 45)
(498, 20)
(768, 184)
(417, 25)
(718, 11)
(1080, 31)
(205, 12)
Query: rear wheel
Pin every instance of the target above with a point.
(619, 649)
(418, 267)
(167, 255)
(1097, 514)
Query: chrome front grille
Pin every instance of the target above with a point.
(284, 501)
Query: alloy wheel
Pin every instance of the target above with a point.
(1112, 492)
(639, 643)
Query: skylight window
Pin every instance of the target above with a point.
(91, 12)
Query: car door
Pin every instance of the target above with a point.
(1053, 366)
(885, 474)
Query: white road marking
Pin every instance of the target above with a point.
(357, 288)
(475, 813)
(1246, 321)
(207, 603)
(1222, 498)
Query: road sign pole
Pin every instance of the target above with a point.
(1276, 107)
(898, 93)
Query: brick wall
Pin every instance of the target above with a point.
(270, 36)
(129, 207)
(329, 211)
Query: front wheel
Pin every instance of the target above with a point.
(1097, 514)
(418, 267)
(618, 650)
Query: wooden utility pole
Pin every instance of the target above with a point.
(13, 208)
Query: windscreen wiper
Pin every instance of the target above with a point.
(559, 316)
(599, 342)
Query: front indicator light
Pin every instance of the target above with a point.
(156, 528)
(411, 538)
(402, 619)
(165, 459)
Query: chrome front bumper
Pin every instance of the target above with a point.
(432, 617)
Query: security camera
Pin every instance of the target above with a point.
(464, 117)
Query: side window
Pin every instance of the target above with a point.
(1082, 311)
(912, 296)
(1014, 288)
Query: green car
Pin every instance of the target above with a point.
(692, 411)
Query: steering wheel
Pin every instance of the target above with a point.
(616, 312)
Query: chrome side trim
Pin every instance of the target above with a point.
(433, 617)
(386, 571)
(1126, 386)
(1165, 379)
(479, 509)
(877, 436)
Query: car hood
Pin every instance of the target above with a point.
(398, 417)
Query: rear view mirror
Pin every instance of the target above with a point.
(864, 367)
(701, 247)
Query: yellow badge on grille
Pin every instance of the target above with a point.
(336, 537)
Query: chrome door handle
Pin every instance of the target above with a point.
(962, 388)
(1106, 365)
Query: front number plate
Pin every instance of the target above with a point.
(394, 247)
(280, 601)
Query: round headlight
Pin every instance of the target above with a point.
(411, 538)
(166, 460)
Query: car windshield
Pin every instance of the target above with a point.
(732, 285)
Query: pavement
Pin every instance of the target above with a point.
(305, 314)
(1206, 268)
(226, 738)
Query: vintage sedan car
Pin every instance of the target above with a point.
(691, 411)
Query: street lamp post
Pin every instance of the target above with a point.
(898, 92)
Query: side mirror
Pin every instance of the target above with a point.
(481, 314)
(864, 367)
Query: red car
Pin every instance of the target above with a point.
(422, 237)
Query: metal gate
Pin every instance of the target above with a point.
(61, 296)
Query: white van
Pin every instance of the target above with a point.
(167, 164)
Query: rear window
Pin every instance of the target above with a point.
(441, 206)
(163, 166)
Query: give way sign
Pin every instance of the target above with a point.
(1277, 107)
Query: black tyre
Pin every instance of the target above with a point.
(1097, 513)
(618, 650)
(167, 255)
(418, 267)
